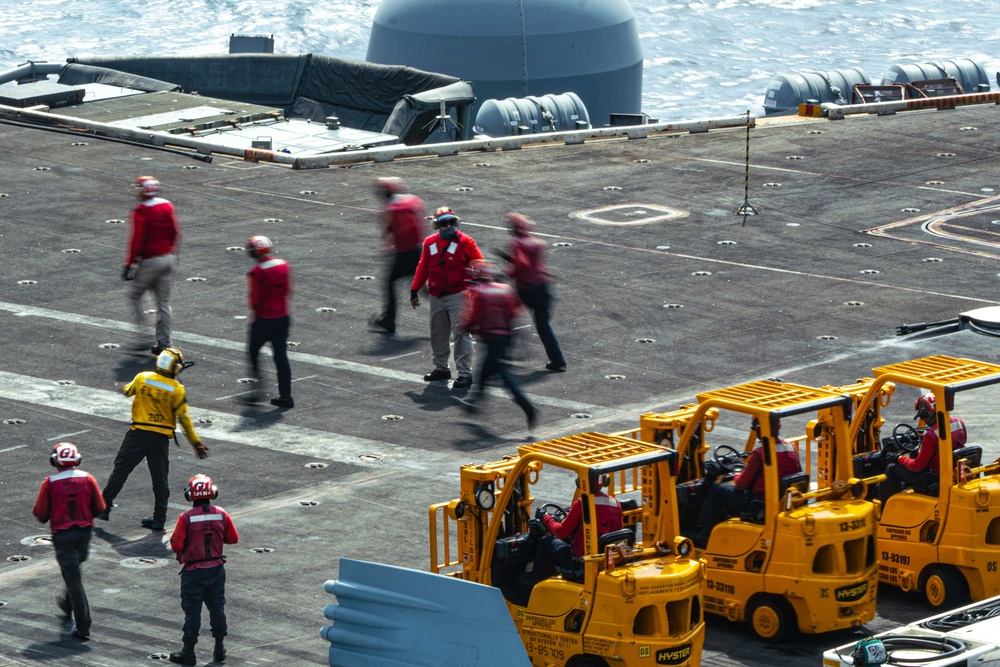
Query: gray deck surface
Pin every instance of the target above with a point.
(769, 299)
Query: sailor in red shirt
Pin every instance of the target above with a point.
(734, 498)
(553, 547)
(491, 308)
(198, 540)
(526, 267)
(444, 258)
(404, 230)
(69, 500)
(149, 262)
(270, 288)
(909, 471)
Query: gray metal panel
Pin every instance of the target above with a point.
(786, 92)
(592, 49)
(969, 73)
(390, 616)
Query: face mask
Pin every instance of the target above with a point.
(448, 232)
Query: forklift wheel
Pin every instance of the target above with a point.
(944, 587)
(771, 619)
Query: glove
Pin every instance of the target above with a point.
(414, 298)
(128, 272)
(200, 450)
(539, 514)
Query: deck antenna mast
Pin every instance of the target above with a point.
(443, 118)
(747, 208)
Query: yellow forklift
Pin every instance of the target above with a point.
(634, 598)
(941, 537)
(801, 557)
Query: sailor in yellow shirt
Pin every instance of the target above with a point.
(159, 400)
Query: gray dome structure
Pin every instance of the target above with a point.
(519, 48)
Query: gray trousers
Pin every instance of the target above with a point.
(154, 274)
(446, 312)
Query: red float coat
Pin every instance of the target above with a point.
(927, 455)
(527, 261)
(490, 310)
(609, 519)
(270, 288)
(753, 471)
(69, 498)
(442, 264)
(154, 230)
(199, 535)
(404, 227)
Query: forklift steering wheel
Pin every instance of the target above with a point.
(557, 512)
(906, 437)
(728, 458)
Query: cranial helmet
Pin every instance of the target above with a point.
(64, 455)
(924, 407)
(170, 362)
(201, 487)
(445, 217)
(258, 246)
(521, 224)
(389, 185)
(147, 186)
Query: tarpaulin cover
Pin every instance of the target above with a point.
(76, 75)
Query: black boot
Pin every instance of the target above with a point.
(185, 656)
(220, 650)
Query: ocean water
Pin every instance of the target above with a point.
(702, 59)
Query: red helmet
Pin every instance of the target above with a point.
(389, 185)
(258, 246)
(445, 217)
(201, 487)
(925, 407)
(64, 455)
(521, 224)
(147, 186)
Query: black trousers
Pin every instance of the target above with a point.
(71, 547)
(403, 264)
(138, 445)
(539, 300)
(275, 332)
(206, 586)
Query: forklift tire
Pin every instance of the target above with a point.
(771, 619)
(944, 587)
(586, 661)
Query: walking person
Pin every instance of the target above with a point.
(270, 289)
(198, 539)
(403, 231)
(444, 258)
(150, 258)
(492, 306)
(159, 400)
(526, 267)
(69, 500)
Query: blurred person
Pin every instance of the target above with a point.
(527, 268)
(491, 308)
(69, 500)
(150, 258)
(444, 259)
(403, 230)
